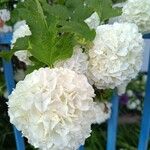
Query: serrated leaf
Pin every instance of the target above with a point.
(53, 35)
(103, 8)
(21, 44)
(78, 10)
(107, 11)
(63, 11)
(65, 45)
(45, 38)
(81, 13)
(36, 65)
(80, 29)
(73, 4)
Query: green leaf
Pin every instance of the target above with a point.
(53, 33)
(65, 45)
(36, 65)
(45, 44)
(81, 13)
(80, 29)
(103, 8)
(73, 4)
(21, 44)
(63, 11)
(107, 11)
(78, 10)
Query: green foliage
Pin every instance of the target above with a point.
(3, 3)
(103, 95)
(7, 4)
(51, 39)
(58, 27)
(97, 140)
(43, 44)
(103, 8)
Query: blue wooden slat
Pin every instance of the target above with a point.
(112, 124)
(145, 125)
(5, 38)
(8, 73)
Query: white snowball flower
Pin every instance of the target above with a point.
(93, 21)
(4, 14)
(138, 12)
(78, 62)
(21, 29)
(23, 56)
(116, 56)
(54, 108)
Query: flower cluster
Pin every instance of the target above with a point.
(58, 103)
(116, 56)
(21, 29)
(138, 12)
(78, 62)
(4, 16)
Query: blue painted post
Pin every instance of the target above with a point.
(145, 125)
(8, 73)
(5, 38)
(112, 124)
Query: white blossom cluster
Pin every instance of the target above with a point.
(21, 29)
(116, 56)
(4, 14)
(138, 12)
(78, 62)
(54, 109)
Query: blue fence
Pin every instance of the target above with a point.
(112, 122)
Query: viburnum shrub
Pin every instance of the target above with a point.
(74, 59)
